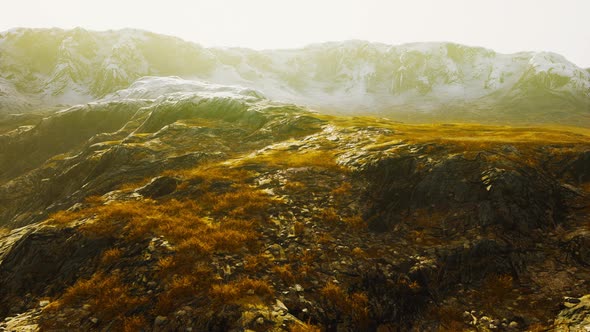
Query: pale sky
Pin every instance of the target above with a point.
(561, 26)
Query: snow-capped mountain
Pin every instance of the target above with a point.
(444, 80)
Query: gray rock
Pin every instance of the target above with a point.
(160, 320)
(159, 186)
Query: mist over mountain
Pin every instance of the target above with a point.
(151, 184)
(423, 81)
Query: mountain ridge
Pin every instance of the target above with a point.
(432, 81)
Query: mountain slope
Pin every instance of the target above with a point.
(177, 205)
(425, 81)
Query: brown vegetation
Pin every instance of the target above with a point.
(232, 292)
(338, 304)
(108, 296)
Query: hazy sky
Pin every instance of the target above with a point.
(506, 26)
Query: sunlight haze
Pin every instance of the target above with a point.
(505, 26)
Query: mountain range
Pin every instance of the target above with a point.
(41, 68)
(150, 184)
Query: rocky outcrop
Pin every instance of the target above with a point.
(502, 192)
(39, 261)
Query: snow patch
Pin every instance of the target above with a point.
(153, 88)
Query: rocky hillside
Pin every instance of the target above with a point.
(211, 208)
(413, 82)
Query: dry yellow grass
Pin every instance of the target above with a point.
(329, 215)
(243, 202)
(304, 327)
(134, 323)
(344, 189)
(282, 158)
(338, 302)
(211, 173)
(223, 220)
(181, 288)
(295, 186)
(284, 272)
(232, 292)
(255, 263)
(110, 256)
(465, 132)
(183, 222)
(355, 222)
(108, 296)
(358, 253)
